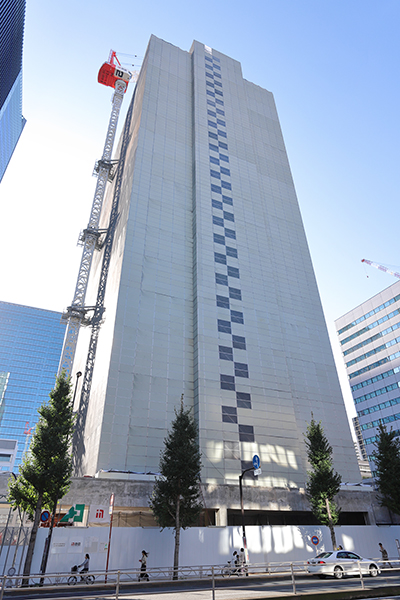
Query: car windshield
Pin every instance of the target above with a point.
(324, 555)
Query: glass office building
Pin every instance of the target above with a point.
(30, 346)
(12, 20)
(369, 336)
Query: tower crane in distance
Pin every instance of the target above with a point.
(111, 74)
(380, 267)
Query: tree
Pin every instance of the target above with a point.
(46, 469)
(323, 482)
(175, 498)
(387, 468)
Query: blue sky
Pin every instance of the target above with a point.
(333, 68)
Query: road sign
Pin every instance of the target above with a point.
(257, 472)
(315, 540)
(256, 461)
(44, 516)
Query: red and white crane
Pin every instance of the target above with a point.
(380, 267)
(111, 74)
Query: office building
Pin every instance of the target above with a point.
(12, 19)
(370, 339)
(210, 289)
(30, 346)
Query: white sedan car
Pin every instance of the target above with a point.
(340, 563)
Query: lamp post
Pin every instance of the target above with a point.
(242, 509)
(78, 374)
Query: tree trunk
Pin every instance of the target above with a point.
(177, 539)
(46, 550)
(32, 541)
(333, 535)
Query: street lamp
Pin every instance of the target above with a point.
(242, 509)
(78, 374)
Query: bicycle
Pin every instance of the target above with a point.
(230, 569)
(73, 579)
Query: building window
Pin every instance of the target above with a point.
(222, 302)
(212, 135)
(239, 342)
(235, 294)
(218, 221)
(226, 185)
(231, 252)
(241, 370)
(237, 317)
(224, 157)
(219, 239)
(220, 258)
(225, 171)
(228, 216)
(225, 353)
(229, 414)
(213, 147)
(216, 189)
(233, 272)
(223, 145)
(243, 400)
(246, 433)
(215, 174)
(227, 382)
(214, 160)
(230, 234)
(224, 326)
(221, 279)
(217, 204)
(232, 450)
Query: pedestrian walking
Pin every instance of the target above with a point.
(143, 566)
(242, 561)
(384, 553)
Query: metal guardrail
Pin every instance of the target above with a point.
(212, 573)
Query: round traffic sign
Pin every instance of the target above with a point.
(44, 516)
(315, 540)
(256, 461)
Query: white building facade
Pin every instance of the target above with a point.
(370, 339)
(210, 289)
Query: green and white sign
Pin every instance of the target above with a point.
(74, 515)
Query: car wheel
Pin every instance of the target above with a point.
(373, 570)
(338, 573)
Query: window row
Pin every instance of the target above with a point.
(374, 438)
(379, 392)
(384, 420)
(375, 379)
(373, 351)
(371, 326)
(225, 326)
(372, 339)
(221, 258)
(376, 407)
(369, 314)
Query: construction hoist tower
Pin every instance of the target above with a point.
(117, 77)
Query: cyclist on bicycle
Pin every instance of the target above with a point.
(85, 566)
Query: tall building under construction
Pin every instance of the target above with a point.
(208, 284)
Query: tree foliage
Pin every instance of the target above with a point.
(175, 500)
(323, 482)
(387, 468)
(46, 469)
